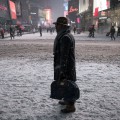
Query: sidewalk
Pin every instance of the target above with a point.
(7, 35)
(82, 36)
(26, 73)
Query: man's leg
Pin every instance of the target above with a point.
(70, 107)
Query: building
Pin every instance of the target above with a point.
(22, 11)
(73, 9)
(4, 12)
(105, 14)
(81, 13)
(85, 13)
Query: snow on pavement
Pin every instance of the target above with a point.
(26, 72)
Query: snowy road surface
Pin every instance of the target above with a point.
(26, 72)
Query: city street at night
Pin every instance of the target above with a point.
(37, 49)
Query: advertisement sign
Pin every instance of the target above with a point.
(100, 6)
(104, 4)
(84, 5)
(48, 15)
(12, 10)
(73, 9)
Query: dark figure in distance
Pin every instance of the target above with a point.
(40, 30)
(74, 29)
(112, 31)
(12, 32)
(2, 32)
(92, 31)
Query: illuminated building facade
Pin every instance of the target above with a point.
(12, 8)
(4, 11)
(48, 16)
(22, 11)
(85, 13)
(105, 14)
(65, 4)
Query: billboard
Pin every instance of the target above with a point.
(12, 10)
(83, 5)
(104, 4)
(73, 9)
(100, 6)
(48, 15)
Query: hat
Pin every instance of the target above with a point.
(62, 21)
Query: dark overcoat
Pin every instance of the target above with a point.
(64, 56)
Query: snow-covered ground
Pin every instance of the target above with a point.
(26, 72)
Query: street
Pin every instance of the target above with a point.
(26, 72)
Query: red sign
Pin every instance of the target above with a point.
(96, 12)
(12, 10)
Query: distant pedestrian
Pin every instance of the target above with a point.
(2, 32)
(93, 31)
(40, 30)
(90, 31)
(20, 31)
(50, 30)
(74, 29)
(118, 31)
(112, 31)
(12, 32)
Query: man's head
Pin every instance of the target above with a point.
(61, 23)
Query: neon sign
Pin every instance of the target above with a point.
(12, 9)
(3, 8)
(72, 9)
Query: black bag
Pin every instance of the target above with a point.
(67, 90)
(107, 34)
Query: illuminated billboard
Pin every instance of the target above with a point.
(73, 9)
(48, 15)
(83, 5)
(100, 6)
(104, 4)
(12, 10)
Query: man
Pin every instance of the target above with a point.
(40, 30)
(2, 32)
(74, 29)
(92, 30)
(112, 31)
(12, 32)
(64, 58)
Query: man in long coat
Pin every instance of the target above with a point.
(64, 58)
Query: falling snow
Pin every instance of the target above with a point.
(26, 72)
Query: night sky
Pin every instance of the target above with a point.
(57, 8)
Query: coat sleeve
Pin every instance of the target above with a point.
(64, 53)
